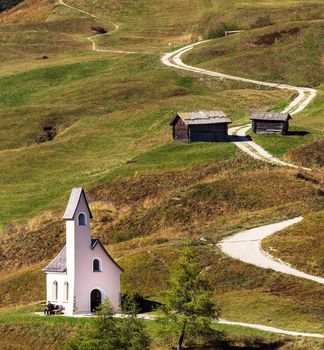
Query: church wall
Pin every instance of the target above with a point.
(107, 281)
(60, 278)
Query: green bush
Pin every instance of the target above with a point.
(219, 31)
(262, 21)
(106, 332)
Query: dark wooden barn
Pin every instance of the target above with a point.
(270, 122)
(204, 126)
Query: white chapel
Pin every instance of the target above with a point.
(83, 273)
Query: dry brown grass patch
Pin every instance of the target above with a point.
(310, 155)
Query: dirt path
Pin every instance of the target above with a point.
(153, 317)
(300, 102)
(272, 329)
(91, 38)
(254, 150)
(250, 325)
(246, 246)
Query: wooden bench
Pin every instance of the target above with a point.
(58, 310)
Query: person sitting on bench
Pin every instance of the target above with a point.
(49, 310)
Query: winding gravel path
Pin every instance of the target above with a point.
(246, 246)
(247, 325)
(272, 329)
(300, 102)
(245, 144)
(240, 245)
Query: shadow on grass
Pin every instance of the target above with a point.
(143, 304)
(254, 344)
(297, 133)
(235, 138)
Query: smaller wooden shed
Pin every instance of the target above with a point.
(270, 122)
(204, 126)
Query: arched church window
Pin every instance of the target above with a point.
(96, 265)
(55, 291)
(82, 219)
(66, 291)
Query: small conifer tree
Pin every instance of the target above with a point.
(188, 311)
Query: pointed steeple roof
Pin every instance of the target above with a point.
(75, 197)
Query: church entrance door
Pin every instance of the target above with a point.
(95, 299)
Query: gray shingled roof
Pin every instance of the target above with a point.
(58, 264)
(202, 117)
(274, 116)
(74, 200)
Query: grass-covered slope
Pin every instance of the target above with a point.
(143, 220)
(284, 53)
(105, 113)
(209, 201)
(182, 21)
(20, 329)
(301, 245)
(100, 120)
(28, 11)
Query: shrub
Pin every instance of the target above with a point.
(106, 332)
(99, 30)
(219, 31)
(262, 21)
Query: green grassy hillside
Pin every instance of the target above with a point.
(301, 245)
(35, 331)
(283, 53)
(144, 219)
(105, 113)
(289, 53)
(100, 120)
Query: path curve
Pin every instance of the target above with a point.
(254, 150)
(90, 38)
(271, 329)
(299, 103)
(246, 246)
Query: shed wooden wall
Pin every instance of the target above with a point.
(180, 131)
(269, 127)
(208, 132)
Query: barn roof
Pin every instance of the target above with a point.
(73, 203)
(58, 264)
(202, 117)
(274, 116)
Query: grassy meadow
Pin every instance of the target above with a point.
(103, 120)
(285, 47)
(34, 331)
(109, 118)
